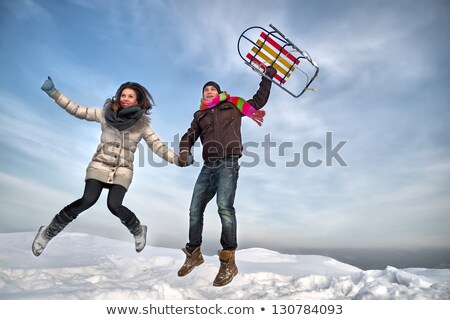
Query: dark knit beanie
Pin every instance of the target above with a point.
(211, 83)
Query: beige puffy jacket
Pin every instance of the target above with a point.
(112, 163)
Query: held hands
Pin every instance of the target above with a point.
(190, 159)
(186, 159)
(48, 86)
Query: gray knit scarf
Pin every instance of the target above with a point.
(124, 118)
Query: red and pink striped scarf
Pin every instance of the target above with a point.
(240, 103)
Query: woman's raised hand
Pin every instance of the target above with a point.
(48, 86)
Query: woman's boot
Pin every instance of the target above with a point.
(45, 234)
(139, 231)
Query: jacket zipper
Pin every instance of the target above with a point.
(216, 127)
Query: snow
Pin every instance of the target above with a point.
(78, 266)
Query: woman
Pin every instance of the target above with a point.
(124, 122)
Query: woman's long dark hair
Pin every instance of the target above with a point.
(144, 97)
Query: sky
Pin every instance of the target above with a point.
(382, 95)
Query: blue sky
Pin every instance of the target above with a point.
(382, 88)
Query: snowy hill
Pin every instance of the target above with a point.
(80, 266)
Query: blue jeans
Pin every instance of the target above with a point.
(218, 177)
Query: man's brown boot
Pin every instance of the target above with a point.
(228, 268)
(193, 260)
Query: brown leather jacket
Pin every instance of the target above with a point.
(219, 128)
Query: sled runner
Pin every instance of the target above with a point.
(273, 48)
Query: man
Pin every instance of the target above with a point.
(218, 125)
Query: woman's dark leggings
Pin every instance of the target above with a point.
(92, 191)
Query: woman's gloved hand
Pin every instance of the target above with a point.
(48, 86)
